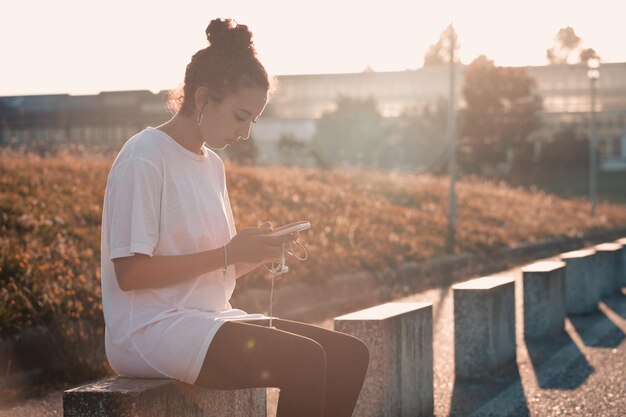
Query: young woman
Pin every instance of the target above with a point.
(171, 255)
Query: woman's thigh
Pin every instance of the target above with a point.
(342, 350)
(319, 334)
(337, 345)
(247, 355)
(329, 339)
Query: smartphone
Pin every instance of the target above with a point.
(290, 228)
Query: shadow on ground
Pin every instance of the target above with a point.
(469, 395)
(583, 322)
(567, 378)
(616, 303)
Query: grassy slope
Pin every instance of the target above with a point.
(361, 219)
(372, 219)
(50, 219)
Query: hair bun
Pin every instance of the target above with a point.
(227, 34)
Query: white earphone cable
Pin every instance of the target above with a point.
(279, 268)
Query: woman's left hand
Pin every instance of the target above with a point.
(266, 227)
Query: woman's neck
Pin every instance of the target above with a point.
(184, 130)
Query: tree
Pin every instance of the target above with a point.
(4, 124)
(587, 54)
(352, 134)
(439, 53)
(567, 47)
(418, 140)
(500, 114)
(292, 150)
(568, 149)
(565, 44)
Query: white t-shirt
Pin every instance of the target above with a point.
(162, 199)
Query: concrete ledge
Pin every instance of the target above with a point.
(126, 397)
(607, 265)
(399, 380)
(544, 299)
(484, 325)
(582, 291)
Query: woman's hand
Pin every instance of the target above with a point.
(253, 245)
(267, 228)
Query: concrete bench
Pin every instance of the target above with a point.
(126, 397)
(582, 289)
(609, 257)
(544, 299)
(399, 380)
(484, 325)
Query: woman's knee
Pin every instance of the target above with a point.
(302, 366)
(339, 346)
(311, 355)
(360, 350)
(354, 349)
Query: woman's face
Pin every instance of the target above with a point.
(227, 121)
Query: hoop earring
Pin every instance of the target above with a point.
(200, 118)
(201, 115)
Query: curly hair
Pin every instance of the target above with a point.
(226, 65)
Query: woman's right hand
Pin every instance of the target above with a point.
(253, 245)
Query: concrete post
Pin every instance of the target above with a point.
(544, 299)
(484, 325)
(582, 290)
(399, 380)
(608, 255)
(621, 275)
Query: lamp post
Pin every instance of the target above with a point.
(452, 141)
(593, 72)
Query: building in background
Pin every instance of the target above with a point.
(105, 120)
(567, 103)
(110, 118)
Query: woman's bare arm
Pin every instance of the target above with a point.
(250, 248)
(142, 271)
(243, 269)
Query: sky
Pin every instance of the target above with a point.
(89, 46)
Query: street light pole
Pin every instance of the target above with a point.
(593, 73)
(451, 238)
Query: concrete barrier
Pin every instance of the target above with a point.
(582, 289)
(126, 397)
(621, 275)
(484, 325)
(544, 299)
(399, 380)
(608, 255)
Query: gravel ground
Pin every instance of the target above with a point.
(580, 373)
(47, 406)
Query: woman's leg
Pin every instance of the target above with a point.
(244, 355)
(347, 359)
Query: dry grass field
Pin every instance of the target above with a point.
(50, 213)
